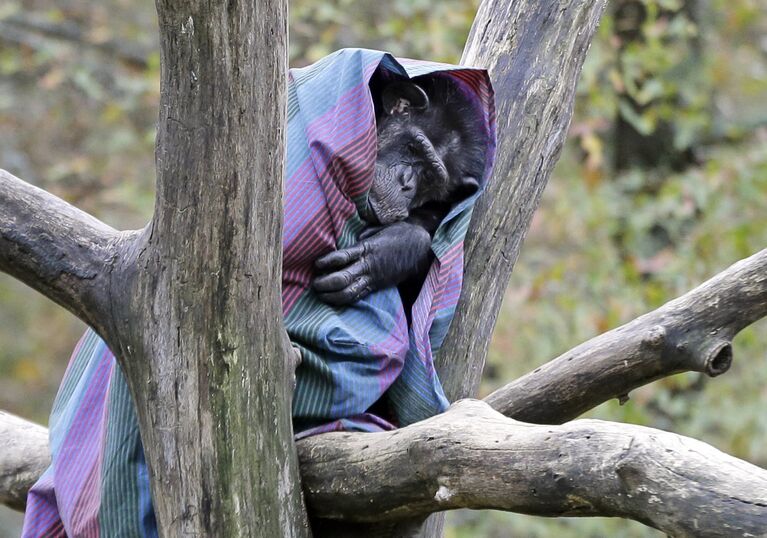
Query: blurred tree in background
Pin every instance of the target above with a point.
(663, 184)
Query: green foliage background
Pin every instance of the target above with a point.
(78, 106)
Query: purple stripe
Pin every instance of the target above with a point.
(81, 449)
(42, 513)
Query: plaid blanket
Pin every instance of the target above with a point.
(353, 357)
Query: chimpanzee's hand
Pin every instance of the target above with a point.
(384, 257)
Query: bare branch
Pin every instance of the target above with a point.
(691, 333)
(55, 248)
(24, 456)
(24, 29)
(473, 457)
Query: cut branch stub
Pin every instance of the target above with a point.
(719, 358)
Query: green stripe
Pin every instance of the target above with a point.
(120, 513)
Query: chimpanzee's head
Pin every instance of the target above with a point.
(431, 148)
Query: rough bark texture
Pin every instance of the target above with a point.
(210, 375)
(55, 248)
(473, 457)
(24, 455)
(534, 51)
(691, 333)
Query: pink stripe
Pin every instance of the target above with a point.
(395, 347)
(85, 514)
(80, 452)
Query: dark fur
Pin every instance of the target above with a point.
(428, 159)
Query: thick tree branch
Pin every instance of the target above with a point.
(691, 333)
(473, 457)
(24, 455)
(55, 248)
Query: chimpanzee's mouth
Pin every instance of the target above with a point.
(379, 213)
(368, 213)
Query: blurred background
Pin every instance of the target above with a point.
(662, 184)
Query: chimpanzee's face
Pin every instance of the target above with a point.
(407, 162)
(419, 154)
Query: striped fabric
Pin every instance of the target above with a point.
(353, 357)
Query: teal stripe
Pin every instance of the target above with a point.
(119, 484)
(314, 387)
(449, 234)
(75, 371)
(292, 102)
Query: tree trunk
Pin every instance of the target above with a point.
(534, 52)
(210, 378)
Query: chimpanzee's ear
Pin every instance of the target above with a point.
(404, 97)
(468, 186)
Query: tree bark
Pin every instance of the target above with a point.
(473, 457)
(211, 378)
(534, 52)
(24, 456)
(55, 248)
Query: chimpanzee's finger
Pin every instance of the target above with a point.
(359, 289)
(339, 258)
(340, 279)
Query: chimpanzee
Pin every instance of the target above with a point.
(431, 154)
